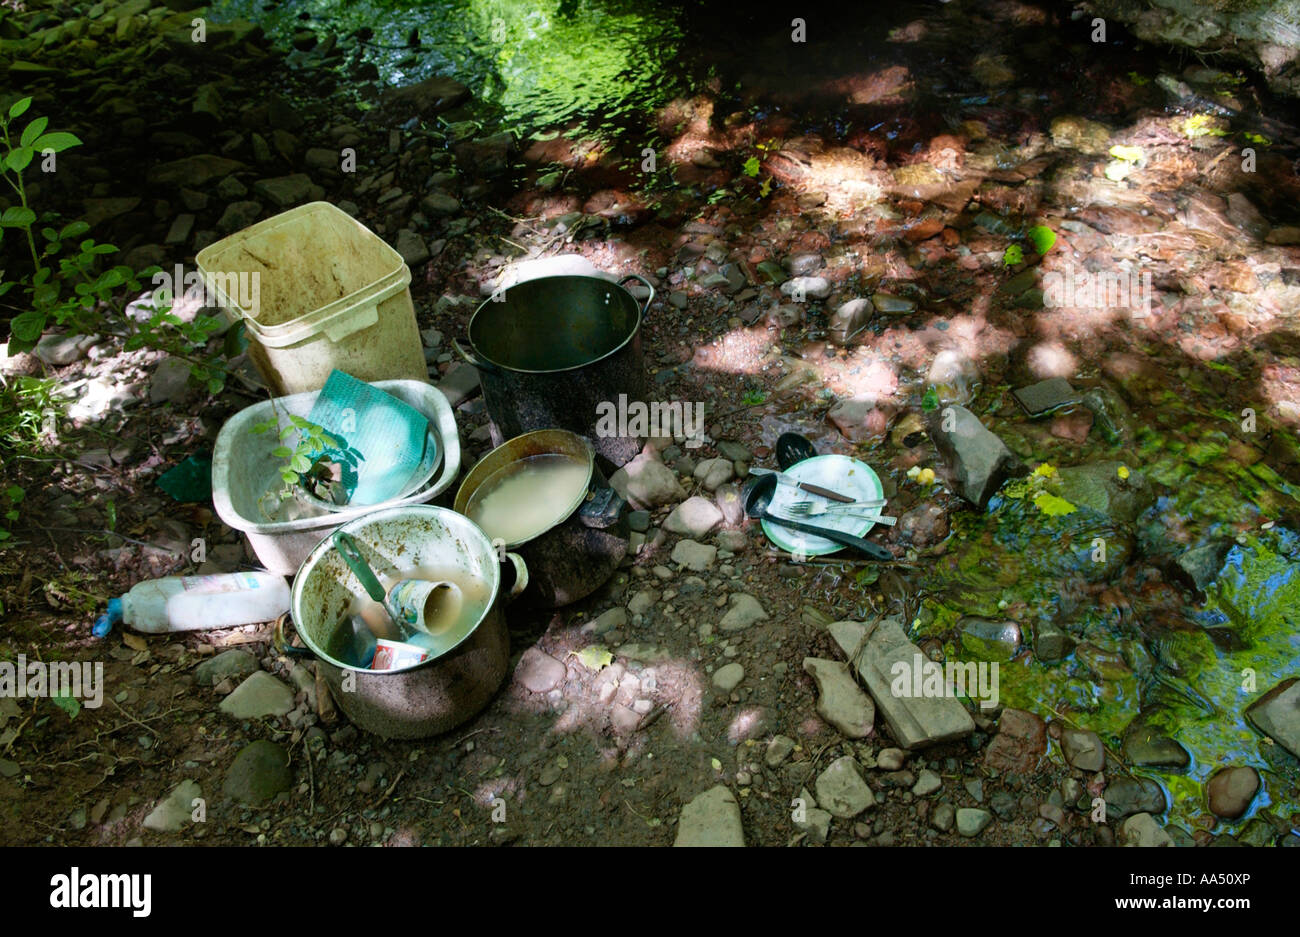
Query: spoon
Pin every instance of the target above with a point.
(758, 495)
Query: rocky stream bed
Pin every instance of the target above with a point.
(829, 248)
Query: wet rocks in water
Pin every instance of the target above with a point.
(1019, 745)
(1046, 396)
(890, 305)
(259, 772)
(978, 460)
(953, 377)
(1142, 830)
(839, 700)
(425, 98)
(711, 819)
(971, 821)
(887, 659)
(1125, 796)
(1079, 133)
(695, 517)
(990, 640)
(842, 791)
(1200, 566)
(1148, 747)
(259, 695)
(539, 672)
(1231, 790)
(647, 483)
(1083, 749)
(745, 610)
(174, 812)
(850, 319)
(922, 526)
(234, 663)
(1110, 488)
(1277, 714)
(1051, 641)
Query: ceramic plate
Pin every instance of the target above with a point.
(838, 473)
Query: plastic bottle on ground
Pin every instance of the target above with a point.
(198, 603)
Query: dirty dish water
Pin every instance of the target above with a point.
(527, 498)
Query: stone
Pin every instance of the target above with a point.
(842, 791)
(978, 460)
(182, 227)
(1277, 714)
(923, 526)
(238, 216)
(1083, 749)
(745, 611)
(259, 695)
(170, 382)
(953, 376)
(425, 98)
(943, 817)
(800, 288)
(712, 473)
(839, 700)
(173, 813)
(99, 210)
(413, 248)
(778, 750)
(727, 677)
(891, 759)
(914, 722)
(971, 821)
(539, 672)
(1148, 747)
(1051, 642)
(647, 483)
(1126, 796)
(890, 305)
(734, 451)
(927, 782)
(695, 517)
(1019, 745)
(816, 823)
(990, 640)
(858, 419)
(608, 621)
(1079, 133)
(1142, 830)
(1046, 396)
(439, 203)
(850, 319)
(1110, 488)
(694, 555)
(643, 601)
(194, 171)
(207, 101)
(1199, 567)
(288, 191)
(259, 772)
(1231, 790)
(60, 350)
(233, 663)
(711, 819)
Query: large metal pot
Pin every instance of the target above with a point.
(438, 694)
(574, 558)
(550, 350)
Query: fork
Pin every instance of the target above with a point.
(809, 509)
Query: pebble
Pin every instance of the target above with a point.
(711, 819)
(778, 750)
(174, 811)
(971, 821)
(728, 677)
(891, 759)
(842, 790)
(926, 783)
(745, 611)
(539, 672)
(1231, 791)
(259, 695)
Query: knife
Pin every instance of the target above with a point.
(811, 489)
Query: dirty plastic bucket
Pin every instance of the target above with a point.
(243, 469)
(329, 294)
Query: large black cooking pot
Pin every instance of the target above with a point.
(550, 350)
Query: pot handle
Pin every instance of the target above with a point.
(603, 509)
(284, 647)
(520, 574)
(473, 356)
(644, 282)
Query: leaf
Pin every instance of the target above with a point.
(766, 188)
(717, 765)
(1130, 154)
(18, 159)
(1043, 238)
(751, 167)
(75, 229)
(17, 216)
(281, 452)
(33, 130)
(18, 108)
(1013, 255)
(1053, 506)
(300, 463)
(931, 400)
(56, 142)
(27, 326)
(594, 657)
(69, 704)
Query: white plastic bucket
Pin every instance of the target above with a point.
(243, 470)
(319, 291)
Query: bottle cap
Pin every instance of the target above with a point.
(105, 622)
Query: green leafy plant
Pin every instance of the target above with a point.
(69, 285)
(1013, 255)
(298, 460)
(751, 167)
(10, 497)
(753, 398)
(930, 401)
